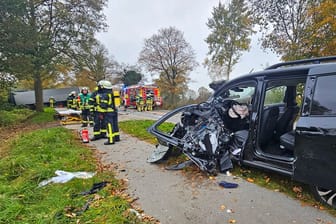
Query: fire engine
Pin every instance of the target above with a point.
(129, 94)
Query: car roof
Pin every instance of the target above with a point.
(283, 71)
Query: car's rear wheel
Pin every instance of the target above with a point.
(324, 195)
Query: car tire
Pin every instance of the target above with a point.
(324, 195)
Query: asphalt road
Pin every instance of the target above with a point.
(172, 197)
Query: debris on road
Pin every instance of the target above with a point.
(226, 184)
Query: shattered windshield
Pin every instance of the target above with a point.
(242, 94)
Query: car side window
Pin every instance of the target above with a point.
(275, 95)
(324, 102)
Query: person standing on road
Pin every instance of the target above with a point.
(110, 112)
(149, 102)
(96, 108)
(125, 101)
(84, 98)
(72, 102)
(140, 102)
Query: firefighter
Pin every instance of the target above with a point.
(111, 117)
(149, 102)
(99, 127)
(139, 102)
(84, 106)
(125, 101)
(72, 102)
(52, 102)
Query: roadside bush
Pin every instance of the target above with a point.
(10, 117)
(11, 114)
(6, 106)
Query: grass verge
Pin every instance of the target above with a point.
(138, 128)
(43, 117)
(34, 156)
(275, 182)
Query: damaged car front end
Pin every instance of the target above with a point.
(200, 133)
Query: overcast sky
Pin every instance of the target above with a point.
(132, 21)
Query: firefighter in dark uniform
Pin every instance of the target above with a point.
(111, 114)
(72, 102)
(97, 109)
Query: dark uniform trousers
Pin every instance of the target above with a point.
(86, 118)
(112, 127)
(99, 127)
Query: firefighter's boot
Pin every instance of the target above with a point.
(108, 143)
(116, 138)
(96, 137)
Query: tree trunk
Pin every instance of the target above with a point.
(38, 92)
(173, 100)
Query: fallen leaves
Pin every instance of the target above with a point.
(297, 189)
(250, 180)
(229, 210)
(212, 178)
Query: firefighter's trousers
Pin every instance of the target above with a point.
(99, 127)
(141, 106)
(86, 118)
(112, 126)
(149, 105)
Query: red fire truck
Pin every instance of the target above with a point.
(129, 94)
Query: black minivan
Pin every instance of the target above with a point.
(290, 127)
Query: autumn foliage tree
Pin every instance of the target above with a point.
(231, 28)
(36, 36)
(170, 56)
(93, 63)
(321, 38)
(297, 29)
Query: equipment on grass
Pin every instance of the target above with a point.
(84, 135)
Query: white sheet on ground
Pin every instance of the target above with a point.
(64, 176)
